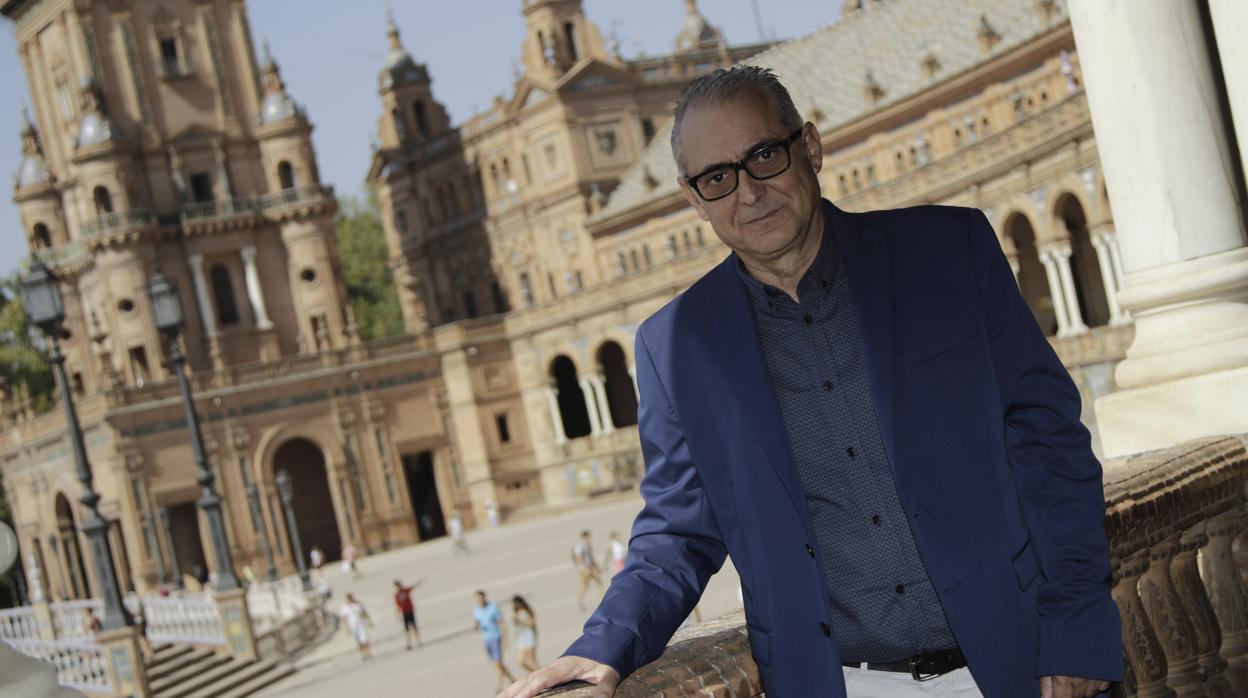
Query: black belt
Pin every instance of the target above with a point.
(921, 667)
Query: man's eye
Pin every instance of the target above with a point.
(767, 154)
(716, 178)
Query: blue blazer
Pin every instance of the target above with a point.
(980, 422)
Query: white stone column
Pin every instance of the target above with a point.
(254, 292)
(1115, 257)
(591, 406)
(632, 373)
(207, 313)
(1061, 257)
(1104, 261)
(599, 382)
(1162, 140)
(1230, 26)
(556, 418)
(1055, 292)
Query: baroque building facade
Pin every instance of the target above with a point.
(527, 243)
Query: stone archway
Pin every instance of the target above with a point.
(74, 568)
(313, 505)
(422, 490)
(621, 400)
(1084, 265)
(1032, 280)
(572, 408)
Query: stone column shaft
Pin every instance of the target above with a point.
(207, 313)
(254, 293)
(591, 406)
(1061, 257)
(604, 409)
(1056, 294)
(1101, 243)
(556, 418)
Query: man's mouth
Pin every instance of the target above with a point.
(759, 218)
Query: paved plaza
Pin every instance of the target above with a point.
(531, 558)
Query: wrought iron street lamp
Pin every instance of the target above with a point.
(257, 516)
(167, 309)
(41, 296)
(287, 495)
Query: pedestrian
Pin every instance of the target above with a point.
(358, 622)
(586, 567)
(316, 558)
(459, 543)
(92, 623)
(526, 633)
(617, 553)
(489, 621)
(348, 559)
(491, 512)
(895, 449)
(403, 601)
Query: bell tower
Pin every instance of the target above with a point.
(558, 36)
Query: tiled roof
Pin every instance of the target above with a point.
(892, 40)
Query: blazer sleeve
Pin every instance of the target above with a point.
(675, 546)
(1056, 475)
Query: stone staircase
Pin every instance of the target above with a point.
(183, 671)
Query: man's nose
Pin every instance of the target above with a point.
(749, 190)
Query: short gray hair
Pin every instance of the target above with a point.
(725, 84)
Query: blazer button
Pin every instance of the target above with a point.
(823, 628)
(809, 550)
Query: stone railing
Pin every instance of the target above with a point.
(1175, 519)
(191, 619)
(70, 619)
(81, 665)
(296, 632)
(272, 603)
(19, 624)
(117, 220)
(294, 195)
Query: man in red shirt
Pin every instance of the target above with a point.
(403, 600)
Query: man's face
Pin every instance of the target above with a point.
(761, 220)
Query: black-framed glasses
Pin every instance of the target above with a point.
(764, 162)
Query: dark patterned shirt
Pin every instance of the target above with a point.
(883, 605)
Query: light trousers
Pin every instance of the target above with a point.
(864, 683)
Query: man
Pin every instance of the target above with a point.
(861, 410)
(407, 610)
(586, 566)
(459, 543)
(487, 618)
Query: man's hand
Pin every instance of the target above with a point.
(1070, 687)
(563, 670)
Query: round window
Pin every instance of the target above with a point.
(125, 305)
(66, 335)
(308, 275)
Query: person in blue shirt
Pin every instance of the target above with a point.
(487, 618)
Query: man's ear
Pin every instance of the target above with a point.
(692, 197)
(812, 143)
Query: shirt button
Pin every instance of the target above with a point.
(808, 319)
(827, 385)
(901, 589)
(851, 452)
(809, 550)
(823, 628)
(876, 520)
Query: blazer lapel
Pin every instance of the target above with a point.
(747, 375)
(867, 261)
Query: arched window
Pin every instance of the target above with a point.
(103, 200)
(422, 118)
(41, 237)
(286, 175)
(223, 295)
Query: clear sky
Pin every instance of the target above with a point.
(330, 52)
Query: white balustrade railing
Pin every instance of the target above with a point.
(19, 624)
(191, 619)
(79, 664)
(71, 619)
(272, 603)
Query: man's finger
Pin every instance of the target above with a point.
(1046, 687)
(1063, 687)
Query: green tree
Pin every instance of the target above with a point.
(21, 361)
(370, 283)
